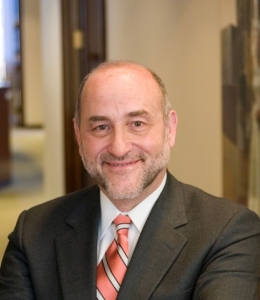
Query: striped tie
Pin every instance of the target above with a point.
(112, 268)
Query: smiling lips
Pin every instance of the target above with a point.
(122, 164)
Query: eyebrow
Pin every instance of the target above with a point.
(98, 118)
(131, 114)
(137, 113)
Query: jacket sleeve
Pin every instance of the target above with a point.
(15, 281)
(232, 266)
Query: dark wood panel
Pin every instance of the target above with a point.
(5, 153)
(80, 19)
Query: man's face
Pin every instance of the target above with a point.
(123, 139)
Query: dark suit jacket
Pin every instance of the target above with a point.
(193, 246)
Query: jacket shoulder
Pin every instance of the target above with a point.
(201, 205)
(67, 202)
(53, 217)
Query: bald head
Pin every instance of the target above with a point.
(126, 67)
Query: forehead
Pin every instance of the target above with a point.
(125, 85)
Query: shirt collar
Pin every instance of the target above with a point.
(138, 214)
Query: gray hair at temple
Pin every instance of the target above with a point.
(165, 101)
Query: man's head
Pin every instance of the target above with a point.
(125, 129)
(114, 64)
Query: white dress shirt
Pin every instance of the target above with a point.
(138, 215)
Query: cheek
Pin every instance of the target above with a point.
(154, 144)
(92, 147)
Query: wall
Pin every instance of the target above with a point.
(228, 13)
(31, 63)
(179, 40)
(51, 43)
(42, 78)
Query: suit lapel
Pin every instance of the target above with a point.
(158, 246)
(77, 251)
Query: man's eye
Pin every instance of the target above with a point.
(101, 127)
(138, 123)
(137, 126)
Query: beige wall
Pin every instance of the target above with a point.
(51, 41)
(180, 40)
(228, 13)
(42, 83)
(31, 63)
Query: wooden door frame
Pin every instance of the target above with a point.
(84, 47)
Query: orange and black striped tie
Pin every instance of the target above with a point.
(111, 270)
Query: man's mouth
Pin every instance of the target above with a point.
(121, 164)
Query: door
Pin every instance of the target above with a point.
(83, 49)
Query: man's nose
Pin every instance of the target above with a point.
(120, 143)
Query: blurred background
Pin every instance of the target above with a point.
(48, 46)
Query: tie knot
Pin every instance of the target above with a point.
(122, 222)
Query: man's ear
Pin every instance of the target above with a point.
(172, 127)
(77, 133)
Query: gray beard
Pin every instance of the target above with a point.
(150, 171)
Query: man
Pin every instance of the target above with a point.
(175, 241)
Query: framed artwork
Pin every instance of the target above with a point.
(241, 106)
